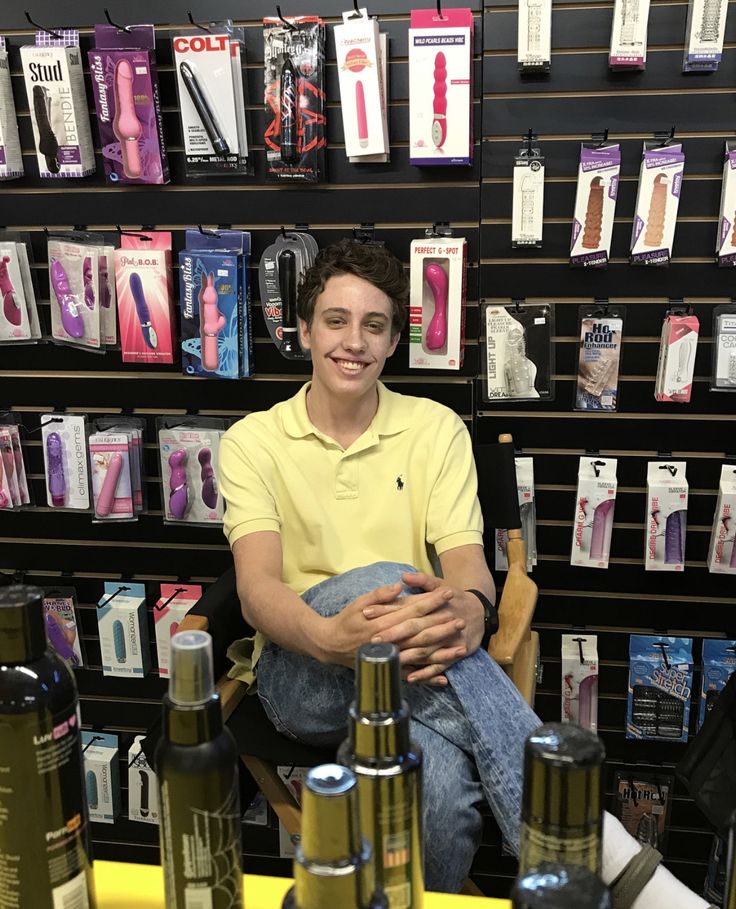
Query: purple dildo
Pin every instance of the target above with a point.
(602, 523)
(57, 639)
(179, 495)
(673, 538)
(105, 296)
(55, 474)
(209, 484)
(71, 318)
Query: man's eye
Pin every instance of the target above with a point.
(335, 322)
(375, 326)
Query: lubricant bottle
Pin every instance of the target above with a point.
(333, 867)
(45, 857)
(197, 769)
(562, 811)
(388, 768)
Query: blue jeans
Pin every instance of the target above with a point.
(472, 732)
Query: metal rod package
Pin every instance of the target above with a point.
(388, 768)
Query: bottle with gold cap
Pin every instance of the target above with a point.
(333, 866)
(45, 857)
(388, 768)
(552, 886)
(197, 772)
(730, 899)
(562, 812)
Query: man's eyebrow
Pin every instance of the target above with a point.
(343, 310)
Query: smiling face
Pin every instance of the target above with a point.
(350, 336)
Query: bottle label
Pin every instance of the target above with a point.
(540, 846)
(44, 847)
(201, 844)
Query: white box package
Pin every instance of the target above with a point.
(666, 516)
(580, 680)
(123, 628)
(595, 503)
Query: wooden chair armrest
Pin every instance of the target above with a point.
(516, 609)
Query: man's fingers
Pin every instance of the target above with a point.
(421, 579)
(386, 594)
(432, 675)
(424, 630)
(424, 656)
(418, 604)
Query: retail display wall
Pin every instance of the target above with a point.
(579, 96)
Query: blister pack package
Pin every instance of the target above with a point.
(189, 448)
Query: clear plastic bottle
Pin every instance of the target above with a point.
(45, 856)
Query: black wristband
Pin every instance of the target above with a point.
(490, 617)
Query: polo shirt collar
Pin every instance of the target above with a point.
(393, 415)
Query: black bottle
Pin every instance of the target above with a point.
(333, 867)
(197, 770)
(388, 767)
(45, 857)
(730, 900)
(562, 811)
(560, 887)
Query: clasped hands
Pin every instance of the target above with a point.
(432, 629)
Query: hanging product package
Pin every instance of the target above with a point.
(214, 292)
(142, 786)
(115, 460)
(279, 272)
(52, 70)
(719, 664)
(74, 278)
(534, 36)
(209, 81)
(441, 87)
(704, 34)
(596, 501)
(628, 48)
(666, 516)
(723, 377)
(64, 444)
(660, 688)
(101, 775)
(642, 802)
(726, 239)
(580, 680)
(438, 267)
(189, 448)
(19, 313)
(122, 622)
(133, 429)
(528, 515)
(361, 66)
(11, 156)
(145, 297)
(657, 201)
(519, 355)
(595, 204)
(174, 603)
(722, 549)
(14, 489)
(527, 216)
(677, 349)
(294, 97)
(62, 628)
(122, 67)
(599, 360)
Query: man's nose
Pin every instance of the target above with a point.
(355, 337)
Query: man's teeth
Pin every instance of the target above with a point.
(351, 364)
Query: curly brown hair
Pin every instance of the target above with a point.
(369, 261)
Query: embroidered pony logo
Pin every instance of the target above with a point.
(399, 482)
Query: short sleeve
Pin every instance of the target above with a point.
(453, 513)
(249, 504)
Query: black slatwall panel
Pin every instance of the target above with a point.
(579, 96)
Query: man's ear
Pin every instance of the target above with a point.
(304, 334)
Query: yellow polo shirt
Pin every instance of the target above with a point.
(404, 491)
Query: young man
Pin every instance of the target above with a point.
(353, 517)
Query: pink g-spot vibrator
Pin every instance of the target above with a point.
(71, 318)
(602, 524)
(436, 277)
(213, 322)
(9, 464)
(179, 495)
(126, 125)
(106, 498)
(11, 308)
(55, 469)
(362, 116)
(209, 484)
(439, 123)
(89, 290)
